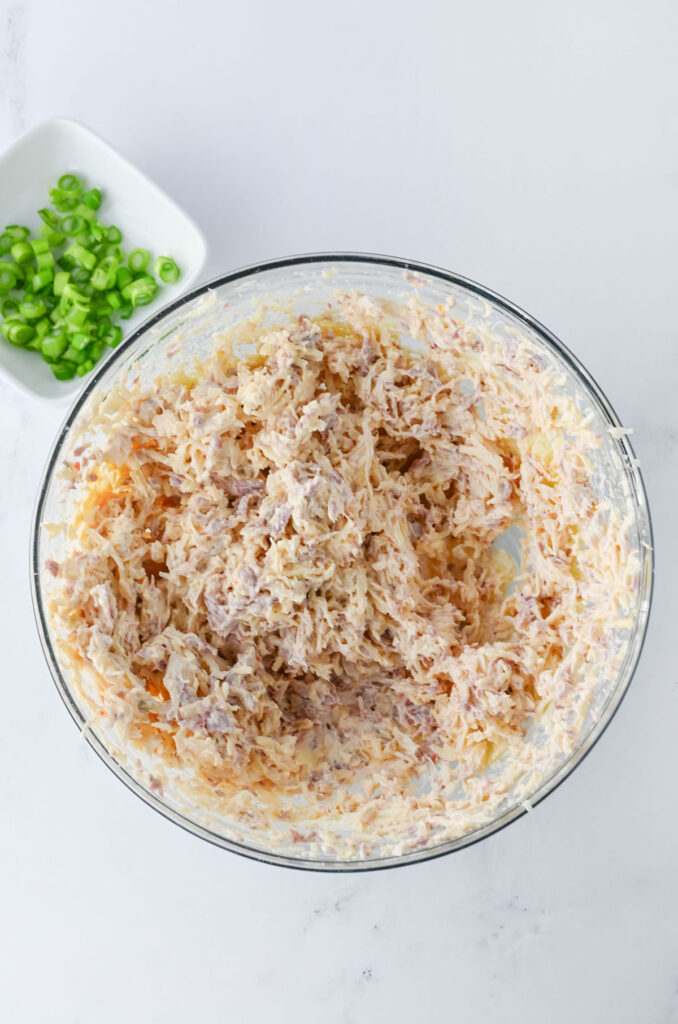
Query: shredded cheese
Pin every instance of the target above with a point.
(288, 592)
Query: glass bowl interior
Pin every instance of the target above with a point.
(305, 285)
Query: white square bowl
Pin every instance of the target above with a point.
(146, 216)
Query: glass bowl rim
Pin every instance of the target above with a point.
(548, 785)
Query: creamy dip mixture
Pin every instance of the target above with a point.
(286, 585)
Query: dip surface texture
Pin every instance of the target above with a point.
(289, 594)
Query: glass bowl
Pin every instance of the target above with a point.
(305, 284)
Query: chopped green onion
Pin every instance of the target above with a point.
(113, 335)
(75, 295)
(103, 326)
(110, 249)
(62, 202)
(53, 238)
(98, 305)
(77, 319)
(45, 261)
(17, 331)
(141, 291)
(166, 269)
(39, 246)
(80, 275)
(16, 232)
(123, 277)
(14, 267)
(80, 255)
(8, 277)
(32, 309)
(138, 260)
(64, 371)
(61, 279)
(42, 279)
(80, 340)
(104, 275)
(84, 211)
(72, 225)
(65, 300)
(50, 219)
(97, 230)
(54, 344)
(92, 198)
(72, 355)
(22, 252)
(70, 186)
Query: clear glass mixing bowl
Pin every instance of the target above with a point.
(305, 284)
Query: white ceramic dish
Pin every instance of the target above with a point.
(144, 213)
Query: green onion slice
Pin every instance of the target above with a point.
(70, 185)
(138, 260)
(72, 225)
(22, 252)
(166, 269)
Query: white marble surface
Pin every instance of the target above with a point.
(533, 147)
